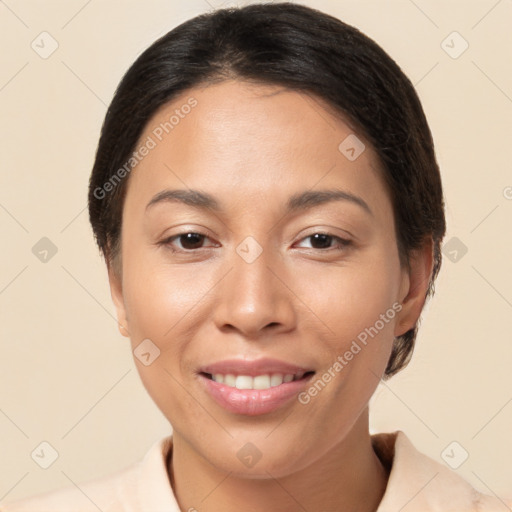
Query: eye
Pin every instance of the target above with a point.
(190, 241)
(186, 241)
(325, 240)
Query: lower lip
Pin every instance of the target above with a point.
(253, 402)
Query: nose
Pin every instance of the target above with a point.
(254, 299)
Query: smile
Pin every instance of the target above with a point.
(253, 387)
(264, 381)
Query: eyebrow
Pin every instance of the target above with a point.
(300, 201)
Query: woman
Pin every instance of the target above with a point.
(268, 202)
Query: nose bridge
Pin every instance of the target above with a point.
(252, 297)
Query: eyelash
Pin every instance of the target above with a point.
(341, 242)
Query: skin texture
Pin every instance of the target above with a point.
(252, 147)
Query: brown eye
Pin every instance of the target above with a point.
(326, 241)
(185, 242)
(321, 241)
(191, 240)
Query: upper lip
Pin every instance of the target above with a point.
(253, 367)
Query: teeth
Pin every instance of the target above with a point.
(244, 382)
(230, 380)
(276, 380)
(259, 382)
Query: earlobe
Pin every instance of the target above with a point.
(116, 292)
(416, 281)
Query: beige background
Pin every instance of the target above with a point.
(67, 376)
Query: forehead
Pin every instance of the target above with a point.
(251, 139)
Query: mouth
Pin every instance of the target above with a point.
(253, 387)
(262, 381)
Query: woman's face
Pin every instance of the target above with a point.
(293, 273)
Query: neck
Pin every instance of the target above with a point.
(349, 477)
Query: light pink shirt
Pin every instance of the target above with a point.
(416, 483)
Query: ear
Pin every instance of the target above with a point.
(414, 286)
(116, 291)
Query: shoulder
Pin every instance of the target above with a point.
(143, 485)
(418, 483)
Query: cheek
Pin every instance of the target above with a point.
(350, 300)
(164, 306)
(356, 307)
(158, 298)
